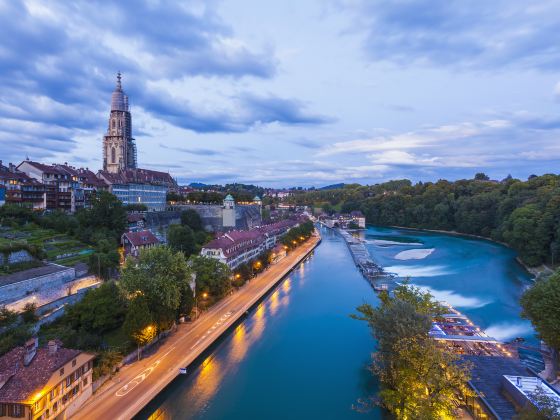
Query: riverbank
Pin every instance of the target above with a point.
(136, 385)
(536, 272)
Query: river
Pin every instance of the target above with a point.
(300, 355)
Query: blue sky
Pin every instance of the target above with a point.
(285, 93)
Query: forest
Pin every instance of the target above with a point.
(523, 214)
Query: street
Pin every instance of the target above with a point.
(136, 384)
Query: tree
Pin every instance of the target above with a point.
(162, 277)
(419, 379)
(181, 238)
(212, 276)
(7, 316)
(138, 321)
(192, 219)
(29, 314)
(541, 305)
(481, 176)
(105, 219)
(100, 310)
(104, 260)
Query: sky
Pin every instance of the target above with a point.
(288, 93)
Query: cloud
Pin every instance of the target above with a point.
(557, 90)
(58, 62)
(270, 109)
(480, 34)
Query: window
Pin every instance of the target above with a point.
(73, 362)
(15, 410)
(113, 155)
(61, 371)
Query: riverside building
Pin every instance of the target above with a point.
(44, 383)
(241, 246)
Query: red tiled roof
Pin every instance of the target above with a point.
(22, 382)
(141, 176)
(238, 241)
(142, 238)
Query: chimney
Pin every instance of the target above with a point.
(53, 347)
(30, 350)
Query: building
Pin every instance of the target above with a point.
(139, 186)
(42, 383)
(345, 221)
(228, 213)
(358, 218)
(503, 386)
(20, 189)
(119, 147)
(61, 183)
(134, 242)
(125, 180)
(241, 246)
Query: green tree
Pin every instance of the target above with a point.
(101, 310)
(181, 238)
(541, 305)
(212, 276)
(138, 321)
(105, 219)
(105, 260)
(419, 379)
(161, 276)
(192, 219)
(29, 314)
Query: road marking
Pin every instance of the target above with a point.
(141, 376)
(219, 322)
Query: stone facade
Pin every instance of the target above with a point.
(16, 257)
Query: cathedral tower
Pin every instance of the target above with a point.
(119, 148)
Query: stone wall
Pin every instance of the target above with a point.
(14, 291)
(16, 257)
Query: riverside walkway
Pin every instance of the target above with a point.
(137, 384)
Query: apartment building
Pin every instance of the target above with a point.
(44, 383)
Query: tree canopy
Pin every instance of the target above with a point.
(524, 214)
(419, 378)
(162, 277)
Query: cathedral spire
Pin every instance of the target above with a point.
(119, 86)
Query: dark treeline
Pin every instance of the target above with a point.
(523, 214)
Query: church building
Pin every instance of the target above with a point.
(119, 147)
(130, 184)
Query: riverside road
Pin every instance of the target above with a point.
(137, 384)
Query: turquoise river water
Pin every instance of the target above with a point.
(299, 355)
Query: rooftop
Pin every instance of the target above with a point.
(141, 238)
(18, 382)
(487, 373)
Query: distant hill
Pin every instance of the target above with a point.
(332, 187)
(198, 185)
